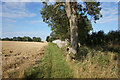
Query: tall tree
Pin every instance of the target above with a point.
(73, 11)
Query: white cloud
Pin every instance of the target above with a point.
(16, 10)
(18, 14)
(15, 5)
(13, 11)
(10, 20)
(109, 12)
(36, 21)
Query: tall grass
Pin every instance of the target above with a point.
(53, 65)
(89, 63)
(95, 64)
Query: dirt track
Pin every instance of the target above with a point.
(18, 56)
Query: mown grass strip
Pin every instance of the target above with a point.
(53, 65)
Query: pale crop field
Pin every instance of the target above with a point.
(18, 56)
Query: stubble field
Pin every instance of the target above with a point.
(18, 56)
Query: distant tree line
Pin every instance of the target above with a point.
(25, 38)
(96, 38)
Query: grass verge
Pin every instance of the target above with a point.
(53, 65)
(95, 64)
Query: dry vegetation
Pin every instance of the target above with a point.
(101, 65)
(18, 56)
(95, 64)
(25, 59)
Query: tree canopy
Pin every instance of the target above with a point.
(71, 20)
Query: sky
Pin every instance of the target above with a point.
(24, 19)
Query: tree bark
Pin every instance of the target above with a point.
(72, 16)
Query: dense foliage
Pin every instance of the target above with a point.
(71, 18)
(96, 38)
(59, 22)
(25, 38)
(101, 41)
(100, 38)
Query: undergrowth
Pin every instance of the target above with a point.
(90, 63)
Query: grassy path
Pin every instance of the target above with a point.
(53, 65)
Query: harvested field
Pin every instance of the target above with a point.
(18, 56)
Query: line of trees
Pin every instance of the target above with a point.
(100, 38)
(25, 38)
(72, 20)
(96, 38)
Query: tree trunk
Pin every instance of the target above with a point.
(72, 16)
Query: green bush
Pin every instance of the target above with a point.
(82, 52)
